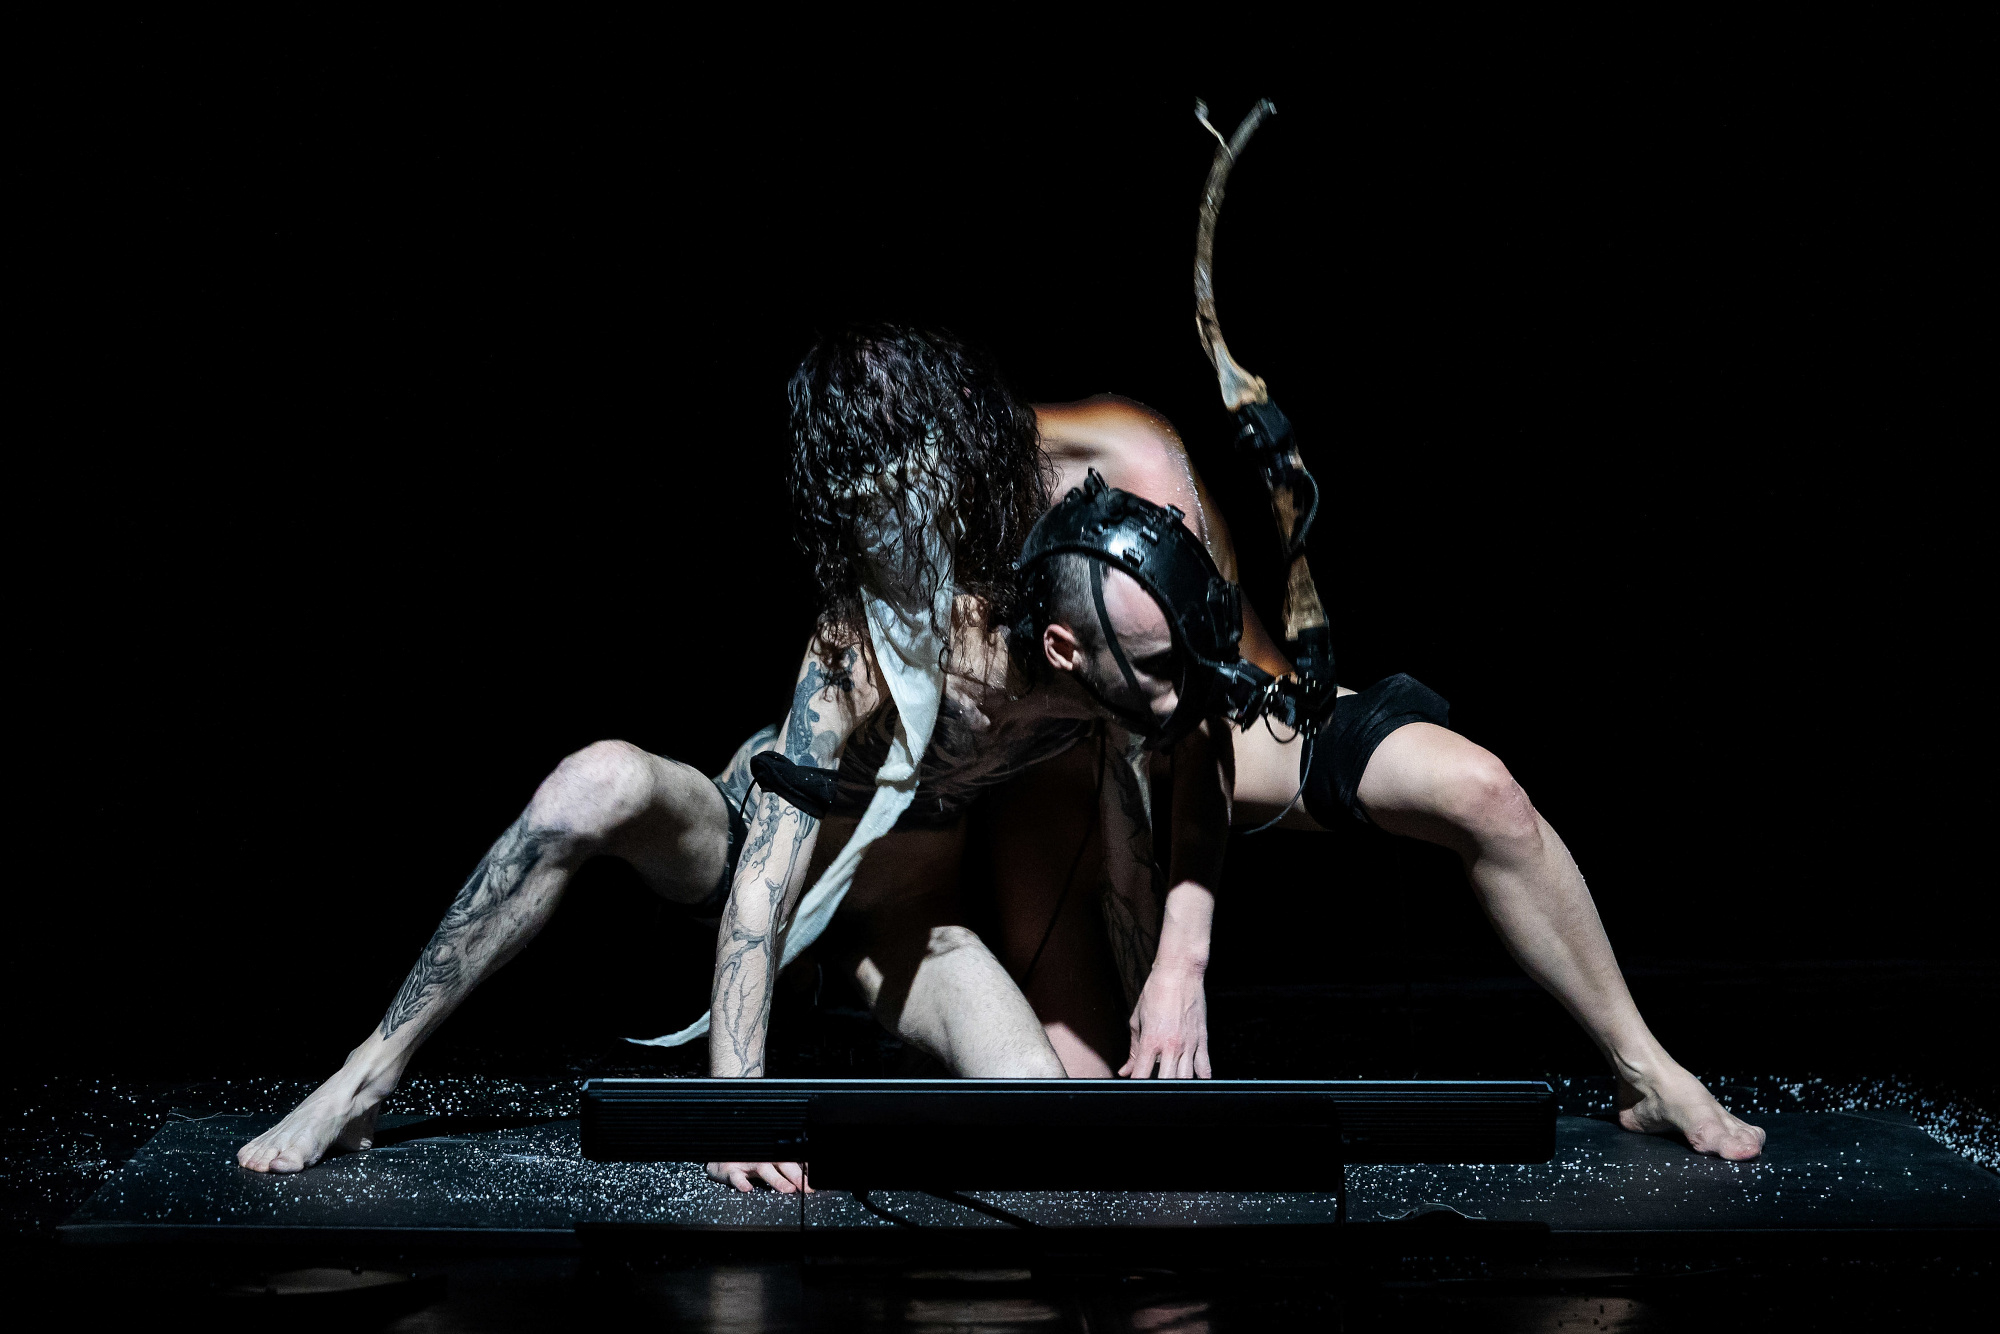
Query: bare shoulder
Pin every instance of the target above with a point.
(1109, 428)
(1135, 448)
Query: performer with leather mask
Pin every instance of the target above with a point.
(1385, 758)
(917, 476)
(1009, 739)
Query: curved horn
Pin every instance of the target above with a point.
(1239, 387)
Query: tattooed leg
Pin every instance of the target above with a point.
(610, 798)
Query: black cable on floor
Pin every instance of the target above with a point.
(888, 1215)
(981, 1206)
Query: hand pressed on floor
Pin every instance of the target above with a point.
(785, 1178)
(1170, 1027)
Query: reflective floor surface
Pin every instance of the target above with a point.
(494, 1293)
(66, 1135)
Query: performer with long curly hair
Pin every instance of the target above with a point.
(940, 707)
(916, 475)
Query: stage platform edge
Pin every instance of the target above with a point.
(1872, 1178)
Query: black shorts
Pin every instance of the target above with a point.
(1360, 722)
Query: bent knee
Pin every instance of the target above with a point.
(948, 940)
(1480, 796)
(595, 791)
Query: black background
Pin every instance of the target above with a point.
(393, 424)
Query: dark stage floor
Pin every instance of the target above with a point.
(501, 1252)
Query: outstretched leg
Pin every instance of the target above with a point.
(611, 798)
(1428, 782)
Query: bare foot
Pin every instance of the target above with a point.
(340, 1114)
(1674, 1101)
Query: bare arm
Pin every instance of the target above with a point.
(1162, 946)
(1203, 771)
(828, 702)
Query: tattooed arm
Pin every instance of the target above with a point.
(1162, 947)
(828, 702)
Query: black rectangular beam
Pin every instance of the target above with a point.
(1058, 1134)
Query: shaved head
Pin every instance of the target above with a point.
(1106, 629)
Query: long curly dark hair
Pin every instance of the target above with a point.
(912, 412)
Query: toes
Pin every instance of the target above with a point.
(1726, 1138)
(258, 1153)
(1745, 1141)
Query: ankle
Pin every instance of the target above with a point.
(1643, 1067)
(374, 1069)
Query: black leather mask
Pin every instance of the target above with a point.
(1150, 544)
